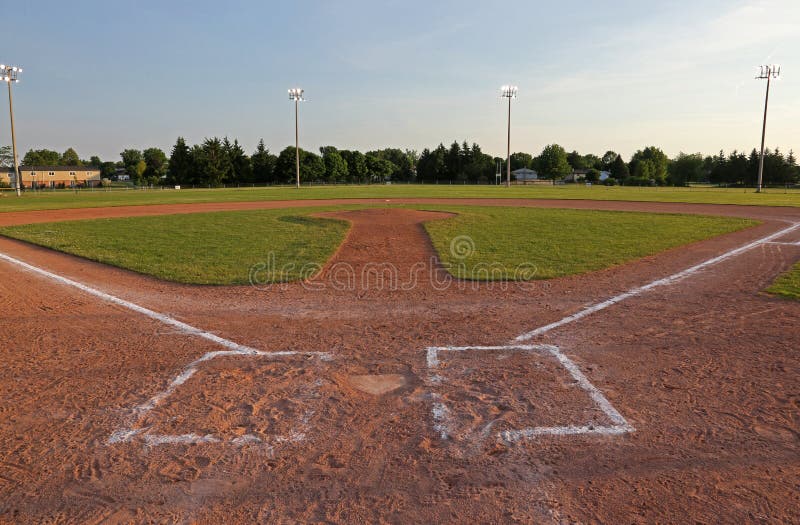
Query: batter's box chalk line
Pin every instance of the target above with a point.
(131, 432)
(441, 412)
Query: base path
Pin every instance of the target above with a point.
(705, 369)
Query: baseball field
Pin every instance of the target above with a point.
(400, 354)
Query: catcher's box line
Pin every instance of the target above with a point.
(655, 284)
(441, 413)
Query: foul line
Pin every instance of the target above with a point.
(233, 349)
(183, 327)
(655, 284)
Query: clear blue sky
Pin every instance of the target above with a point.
(105, 75)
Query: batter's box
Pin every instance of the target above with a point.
(271, 398)
(515, 392)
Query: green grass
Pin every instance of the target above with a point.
(227, 247)
(532, 243)
(98, 198)
(204, 248)
(788, 284)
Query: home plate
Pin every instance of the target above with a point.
(377, 384)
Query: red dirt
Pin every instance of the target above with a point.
(707, 370)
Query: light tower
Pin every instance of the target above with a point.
(769, 72)
(508, 92)
(10, 75)
(296, 94)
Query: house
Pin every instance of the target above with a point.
(524, 175)
(52, 176)
(576, 175)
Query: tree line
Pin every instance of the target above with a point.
(217, 161)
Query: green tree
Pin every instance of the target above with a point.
(312, 166)
(619, 169)
(521, 160)
(650, 164)
(241, 170)
(335, 166)
(107, 170)
(213, 162)
(685, 168)
(130, 161)
(608, 159)
(577, 161)
(70, 158)
(263, 164)
(138, 172)
(179, 167)
(356, 165)
(95, 162)
(42, 157)
(285, 166)
(552, 162)
(380, 170)
(156, 165)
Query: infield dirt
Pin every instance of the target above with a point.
(707, 371)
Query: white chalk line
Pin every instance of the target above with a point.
(181, 326)
(655, 284)
(441, 413)
(128, 433)
(785, 243)
(234, 349)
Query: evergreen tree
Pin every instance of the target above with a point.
(619, 169)
(263, 164)
(180, 163)
(241, 170)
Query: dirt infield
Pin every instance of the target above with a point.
(109, 415)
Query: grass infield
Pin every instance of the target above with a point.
(203, 248)
(223, 248)
(533, 243)
(99, 198)
(788, 284)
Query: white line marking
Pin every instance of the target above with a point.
(233, 349)
(441, 413)
(124, 435)
(183, 327)
(785, 243)
(659, 282)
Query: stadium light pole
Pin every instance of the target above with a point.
(508, 92)
(767, 72)
(296, 94)
(10, 75)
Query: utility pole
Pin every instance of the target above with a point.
(769, 72)
(508, 92)
(10, 75)
(296, 94)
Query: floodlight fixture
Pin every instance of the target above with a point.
(768, 72)
(296, 95)
(10, 75)
(508, 92)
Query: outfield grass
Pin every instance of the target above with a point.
(225, 247)
(98, 198)
(532, 243)
(788, 284)
(204, 248)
